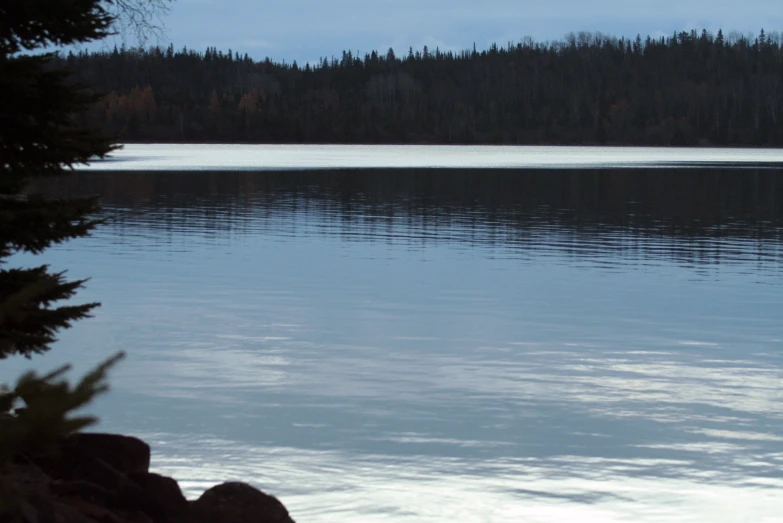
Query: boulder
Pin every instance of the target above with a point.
(235, 502)
(70, 457)
(160, 498)
(82, 511)
(105, 478)
(83, 490)
(127, 454)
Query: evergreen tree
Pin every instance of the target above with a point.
(40, 137)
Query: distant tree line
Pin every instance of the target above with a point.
(688, 89)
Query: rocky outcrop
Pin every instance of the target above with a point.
(234, 502)
(105, 478)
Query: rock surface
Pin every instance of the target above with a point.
(235, 502)
(105, 478)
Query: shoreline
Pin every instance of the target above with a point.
(93, 477)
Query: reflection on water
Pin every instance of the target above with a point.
(575, 212)
(447, 345)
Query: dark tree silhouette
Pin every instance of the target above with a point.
(692, 88)
(41, 136)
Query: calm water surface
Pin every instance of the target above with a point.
(446, 345)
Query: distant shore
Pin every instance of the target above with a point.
(694, 88)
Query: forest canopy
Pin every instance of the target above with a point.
(692, 88)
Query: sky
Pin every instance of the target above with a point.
(306, 30)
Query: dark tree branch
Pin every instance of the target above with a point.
(141, 19)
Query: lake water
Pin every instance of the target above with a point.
(435, 345)
(199, 157)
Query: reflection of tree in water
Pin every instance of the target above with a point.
(688, 213)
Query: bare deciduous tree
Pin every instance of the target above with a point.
(141, 19)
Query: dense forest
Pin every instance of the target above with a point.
(688, 89)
